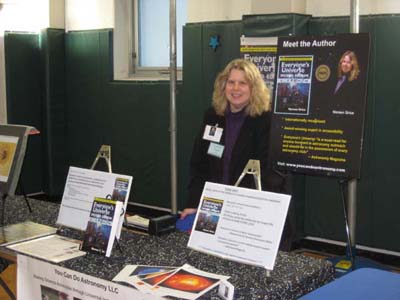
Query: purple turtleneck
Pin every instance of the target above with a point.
(234, 122)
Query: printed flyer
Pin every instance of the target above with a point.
(239, 224)
(82, 187)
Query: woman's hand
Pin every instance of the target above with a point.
(188, 211)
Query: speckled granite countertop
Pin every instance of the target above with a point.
(293, 276)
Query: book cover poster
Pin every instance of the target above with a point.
(262, 52)
(319, 104)
(8, 146)
(293, 84)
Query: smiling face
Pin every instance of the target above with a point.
(237, 90)
(346, 64)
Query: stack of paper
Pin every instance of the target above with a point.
(24, 231)
(138, 222)
(53, 248)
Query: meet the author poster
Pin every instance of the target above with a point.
(319, 104)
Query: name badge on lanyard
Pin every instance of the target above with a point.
(212, 133)
(215, 150)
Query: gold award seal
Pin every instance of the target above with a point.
(322, 73)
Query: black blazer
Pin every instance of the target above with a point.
(252, 143)
(349, 96)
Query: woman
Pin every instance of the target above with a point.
(240, 116)
(347, 90)
(348, 70)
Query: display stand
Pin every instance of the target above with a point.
(252, 168)
(350, 249)
(105, 153)
(13, 142)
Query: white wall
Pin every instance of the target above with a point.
(24, 15)
(89, 14)
(122, 33)
(217, 10)
(318, 8)
(57, 14)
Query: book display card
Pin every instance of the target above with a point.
(239, 224)
(82, 187)
(102, 226)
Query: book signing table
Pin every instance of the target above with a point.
(293, 275)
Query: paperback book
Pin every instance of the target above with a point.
(102, 226)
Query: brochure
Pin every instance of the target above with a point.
(185, 282)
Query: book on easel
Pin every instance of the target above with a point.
(102, 227)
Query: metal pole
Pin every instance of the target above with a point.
(172, 69)
(352, 184)
(354, 16)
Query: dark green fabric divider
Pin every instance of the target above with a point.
(275, 25)
(132, 117)
(54, 123)
(377, 205)
(85, 94)
(24, 107)
(190, 104)
(136, 124)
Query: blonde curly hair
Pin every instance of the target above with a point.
(259, 97)
(355, 69)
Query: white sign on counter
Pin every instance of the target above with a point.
(82, 187)
(41, 280)
(240, 224)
